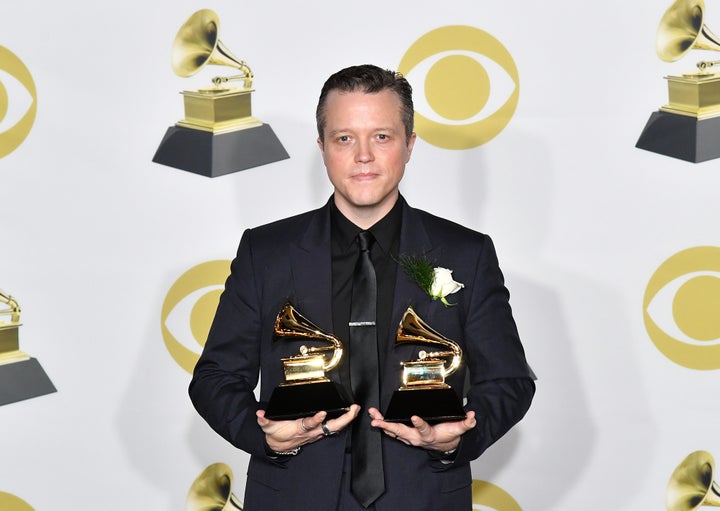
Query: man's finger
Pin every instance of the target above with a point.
(421, 426)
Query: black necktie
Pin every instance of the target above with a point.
(368, 481)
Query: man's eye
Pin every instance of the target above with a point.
(382, 136)
(344, 138)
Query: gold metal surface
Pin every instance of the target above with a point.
(694, 95)
(13, 309)
(312, 363)
(218, 109)
(197, 44)
(9, 331)
(682, 29)
(430, 369)
(691, 484)
(212, 490)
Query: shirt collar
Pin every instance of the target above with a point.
(385, 231)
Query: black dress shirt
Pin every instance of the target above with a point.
(384, 254)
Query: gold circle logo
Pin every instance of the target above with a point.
(465, 73)
(16, 116)
(9, 502)
(681, 305)
(486, 495)
(189, 308)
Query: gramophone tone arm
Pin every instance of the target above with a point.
(703, 64)
(246, 75)
(14, 310)
(337, 350)
(454, 356)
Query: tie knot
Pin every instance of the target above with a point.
(365, 239)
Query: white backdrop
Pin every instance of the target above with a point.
(94, 235)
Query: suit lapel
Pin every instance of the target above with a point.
(415, 241)
(311, 267)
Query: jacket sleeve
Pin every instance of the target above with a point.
(224, 379)
(500, 384)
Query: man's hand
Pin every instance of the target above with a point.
(287, 435)
(442, 437)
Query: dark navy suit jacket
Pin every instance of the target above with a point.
(291, 259)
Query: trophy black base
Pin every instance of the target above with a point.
(306, 399)
(22, 380)
(681, 136)
(432, 405)
(213, 155)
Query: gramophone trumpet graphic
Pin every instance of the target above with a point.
(218, 135)
(688, 127)
(212, 490)
(306, 389)
(692, 485)
(424, 392)
(21, 376)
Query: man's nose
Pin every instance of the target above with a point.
(364, 153)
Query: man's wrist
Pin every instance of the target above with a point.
(290, 452)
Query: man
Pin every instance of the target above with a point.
(365, 128)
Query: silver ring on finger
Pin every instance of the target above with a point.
(326, 430)
(303, 426)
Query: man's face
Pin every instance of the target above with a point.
(365, 151)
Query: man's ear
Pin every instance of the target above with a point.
(410, 145)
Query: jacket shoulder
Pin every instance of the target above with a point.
(442, 228)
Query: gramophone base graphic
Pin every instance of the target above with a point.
(213, 155)
(688, 127)
(21, 376)
(219, 135)
(23, 380)
(681, 136)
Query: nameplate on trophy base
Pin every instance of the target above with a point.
(432, 404)
(217, 154)
(294, 400)
(24, 379)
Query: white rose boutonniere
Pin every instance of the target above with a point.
(434, 280)
(443, 284)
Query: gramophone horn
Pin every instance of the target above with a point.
(197, 44)
(212, 490)
(691, 484)
(682, 29)
(291, 323)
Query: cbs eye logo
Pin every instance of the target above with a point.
(18, 102)
(189, 308)
(9, 502)
(681, 308)
(470, 84)
(488, 497)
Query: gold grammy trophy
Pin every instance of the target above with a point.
(212, 490)
(424, 392)
(21, 376)
(688, 127)
(692, 484)
(218, 135)
(306, 389)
